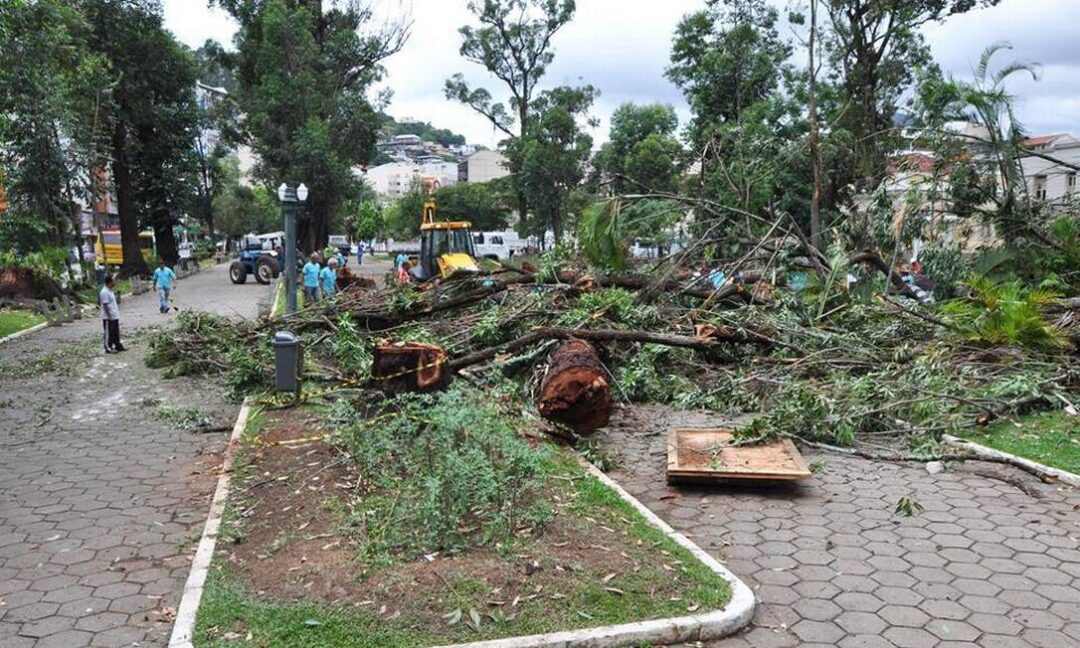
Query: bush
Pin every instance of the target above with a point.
(443, 472)
(1007, 313)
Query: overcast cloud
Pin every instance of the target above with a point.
(622, 47)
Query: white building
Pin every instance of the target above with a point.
(1052, 181)
(482, 166)
(394, 179)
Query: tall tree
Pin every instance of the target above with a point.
(726, 58)
(304, 70)
(553, 155)
(47, 78)
(513, 43)
(151, 120)
(875, 47)
(642, 153)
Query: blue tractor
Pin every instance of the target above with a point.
(258, 257)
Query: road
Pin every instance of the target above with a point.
(102, 497)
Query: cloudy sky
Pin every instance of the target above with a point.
(622, 48)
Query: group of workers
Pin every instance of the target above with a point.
(320, 279)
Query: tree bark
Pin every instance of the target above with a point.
(166, 240)
(815, 153)
(575, 390)
(133, 263)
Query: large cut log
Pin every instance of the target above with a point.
(408, 366)
(575, 390)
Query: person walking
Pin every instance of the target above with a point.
(110, 316)
(360, 253)
(328, 279)
(311, 271)
(163, 283)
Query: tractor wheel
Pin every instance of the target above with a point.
(265, 270)
(237, 273)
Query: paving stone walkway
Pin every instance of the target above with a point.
(101, 498)
(832, 563)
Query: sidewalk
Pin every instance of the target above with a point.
(101, 497)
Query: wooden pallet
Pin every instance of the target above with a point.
(705, 455)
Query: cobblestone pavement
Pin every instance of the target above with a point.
(832, 563)
(101, 496)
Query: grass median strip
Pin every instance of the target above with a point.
(371, 540)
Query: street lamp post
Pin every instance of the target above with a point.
(290, 201)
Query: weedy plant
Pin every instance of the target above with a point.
(443, 472)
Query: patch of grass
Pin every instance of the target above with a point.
(185, 418)
(229, 612)
(445, 472)
(13, 321)
(1050, 438)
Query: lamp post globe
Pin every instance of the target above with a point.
(302, 192)
(282, 191)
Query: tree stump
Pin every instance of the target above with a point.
(575, 390)
(409, 366)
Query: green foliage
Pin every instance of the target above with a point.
(645, 377)
(446, 471)
(513, 43)
(477, 202)
(614, 307)
(48, 80)
(350, 351)
(240, 209)
(1009, 314)
(551, 156)
(426, 132)
(946, 265)
(600, 236)
(47, 261)
(304, 72)
(642, 153)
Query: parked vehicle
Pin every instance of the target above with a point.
(498, 245)
(256, 257)
(341, 242)
(109, 250)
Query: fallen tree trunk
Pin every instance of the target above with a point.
(575, 390)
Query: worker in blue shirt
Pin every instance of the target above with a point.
(163, 282)
(311, 279)
(328, 279)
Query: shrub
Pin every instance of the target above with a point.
(442, 471)
(1007, 313)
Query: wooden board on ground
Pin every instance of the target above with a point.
(706, 454)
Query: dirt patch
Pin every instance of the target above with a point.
(292, 545)
(24, 283)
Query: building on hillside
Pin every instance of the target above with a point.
(482, 166)
(394, 179)
(1052, 179)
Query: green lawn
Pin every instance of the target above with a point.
(13, 321)
(1050, 438)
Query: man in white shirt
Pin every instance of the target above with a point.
(110, 316)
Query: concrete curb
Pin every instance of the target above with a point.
(184, 627)
(1063, 476)
(697, 627)
(25, 331)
